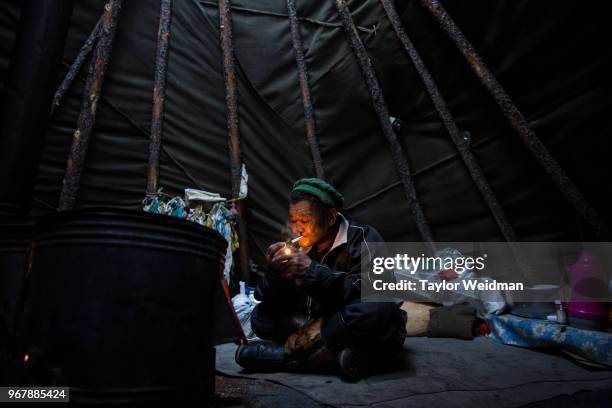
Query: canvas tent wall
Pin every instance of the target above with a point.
(550, 56)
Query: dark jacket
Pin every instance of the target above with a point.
(330, 282)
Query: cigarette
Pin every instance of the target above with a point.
(294, 240)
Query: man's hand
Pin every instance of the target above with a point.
(291, 263)
(272, 250)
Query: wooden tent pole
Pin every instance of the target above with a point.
(309, 118)
(231, 103)
(89, 107)
(380, 106)
(74, 69)
(159, 94)
(517, 120)
(446, 116)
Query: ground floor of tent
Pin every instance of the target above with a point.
(431, 372)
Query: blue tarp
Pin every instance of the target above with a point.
(535, 333)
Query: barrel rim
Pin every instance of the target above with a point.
(20, 227)
(60, 217)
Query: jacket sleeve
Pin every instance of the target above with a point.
(334, 288)
(276, 291)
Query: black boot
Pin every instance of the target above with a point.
(354, 364)
(263, 356)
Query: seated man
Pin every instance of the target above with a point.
(311, 311)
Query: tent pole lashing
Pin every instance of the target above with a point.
(231, 103)
(309, 118)
(87, 116)
(399, 158)
(75, 68)
(159, 94)
(517, 120)
(445, 114)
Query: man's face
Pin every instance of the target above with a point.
(308, 222)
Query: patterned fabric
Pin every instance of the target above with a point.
(534, 333)
(222, 220)
(161, 204)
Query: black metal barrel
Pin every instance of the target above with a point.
(119, 306)
(14, 245)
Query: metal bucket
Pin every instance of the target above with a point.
(119, 306)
